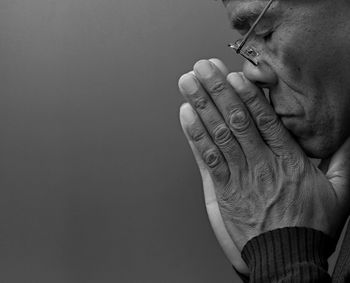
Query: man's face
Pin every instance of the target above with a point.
(304, 62)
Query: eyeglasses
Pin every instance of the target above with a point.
(249, 52)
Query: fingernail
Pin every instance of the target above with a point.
(204, 68)
(187, 113)
(235, 79)
(188, 84)
(220, 65)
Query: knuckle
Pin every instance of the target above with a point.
(294, 164)
(250, 97)
(264, 173)
(222, 135)
(196, 134)
(270, 124)
(221, 175)
(239, 119)
(200, 103)
(267, 121)
(212, 158)
(217, 87)
(253, 102)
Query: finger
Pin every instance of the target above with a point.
(338, 172)
(232, 109)
(271, 128)
(207, 155)
(190, 122)
(211, 118)
(220, 65)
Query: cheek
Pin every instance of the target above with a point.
(291, 60)
(307, 73)
(299, 54)
(302, 75)
(304, 68)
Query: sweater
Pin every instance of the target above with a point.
(293, 254)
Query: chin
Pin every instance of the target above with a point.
(320, 147)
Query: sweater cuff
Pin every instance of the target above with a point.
(288, 253)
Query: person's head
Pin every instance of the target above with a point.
(304, 61)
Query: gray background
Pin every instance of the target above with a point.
(97, 181)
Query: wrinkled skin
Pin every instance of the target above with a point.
(304, 63)
(256, 177)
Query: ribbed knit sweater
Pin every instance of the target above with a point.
(286, 255)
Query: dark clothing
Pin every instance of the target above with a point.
(289, 255)
(342, 268)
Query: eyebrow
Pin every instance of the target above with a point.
(244, 19)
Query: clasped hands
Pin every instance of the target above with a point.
(256, 178)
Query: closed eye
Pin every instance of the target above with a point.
(265, 35)
(268, 36)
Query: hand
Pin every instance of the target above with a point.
(256, 178)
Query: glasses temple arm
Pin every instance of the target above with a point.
(243, 42)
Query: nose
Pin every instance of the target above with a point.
(262, 74)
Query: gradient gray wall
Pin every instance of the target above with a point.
(97, 183)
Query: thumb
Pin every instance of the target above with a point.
(339, 171)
